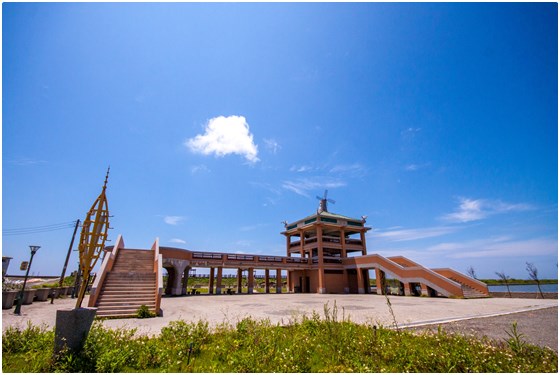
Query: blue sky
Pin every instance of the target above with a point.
(437, 121)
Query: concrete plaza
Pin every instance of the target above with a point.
(282, 308)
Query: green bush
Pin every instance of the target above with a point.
(144, 312)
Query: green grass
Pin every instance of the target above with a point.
(307, 344)
(518, 281)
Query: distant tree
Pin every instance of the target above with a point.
(533, 274)
(471, 272)
(505, 279)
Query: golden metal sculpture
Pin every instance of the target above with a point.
(92, 238)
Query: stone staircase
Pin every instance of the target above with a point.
(130, 284)
(469, 292)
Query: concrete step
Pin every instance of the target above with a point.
(134, 299)
(120, 313)
(127, 304)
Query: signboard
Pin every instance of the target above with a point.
(23, 266)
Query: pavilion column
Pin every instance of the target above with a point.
(219, 281)
(363, 238)
(360, 274)
(289, 281)
(379, 280)
(424, 288)
(211, 281)
(343, 244)
(288, 244)
(366, 279)
(278, 281)
(251, 281)
(320, 266)
(266, 281)
(239, 281)
(301, 243)
(407, 289)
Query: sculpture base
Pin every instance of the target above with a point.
(72, 328)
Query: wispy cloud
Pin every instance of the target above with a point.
(201, 168)
(173, 220)
(177, 240)
(353, 170)
(414, 167)
(498, 247)
(224, 136)
(304, 185)
(399, 235)
(478, 209)
(272, 145)
(248, 228)
(301, 168)
(26, 161)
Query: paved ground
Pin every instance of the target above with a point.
(408, 311)
(538, 327)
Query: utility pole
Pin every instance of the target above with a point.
(67, 257)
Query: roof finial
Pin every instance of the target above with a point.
(323, 203)
(106, 177)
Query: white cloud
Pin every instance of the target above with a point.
(26, 161)
(352, 170)
(477, 209)
(173, 220)
(413, 234)
(300, 169)
(177, 240)
(224, 136)
(302, 186)
(272, 145)
(199, 169)
(500, 247)
(414, 167)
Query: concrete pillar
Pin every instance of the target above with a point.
(366, 281)
(424, 288)
(379, 280)
(219, 281)
(407, 291)
(320, 265)
(363, 238)
(266, 281)
(185, 281)
(177, 288)
(278, 281)
(343, 244)
(360, 274)
(345, 281)
(301, 243)
(211, 281)
(251, 281)
(288, 243)
(239, 280)
(289, 282)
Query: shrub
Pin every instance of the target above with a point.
(144, 312)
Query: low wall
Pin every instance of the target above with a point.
(547, 295)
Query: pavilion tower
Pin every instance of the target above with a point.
(326, 239)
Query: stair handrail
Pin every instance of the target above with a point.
(106, 267)
(158, 265)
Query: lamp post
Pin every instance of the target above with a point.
(34, 249)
